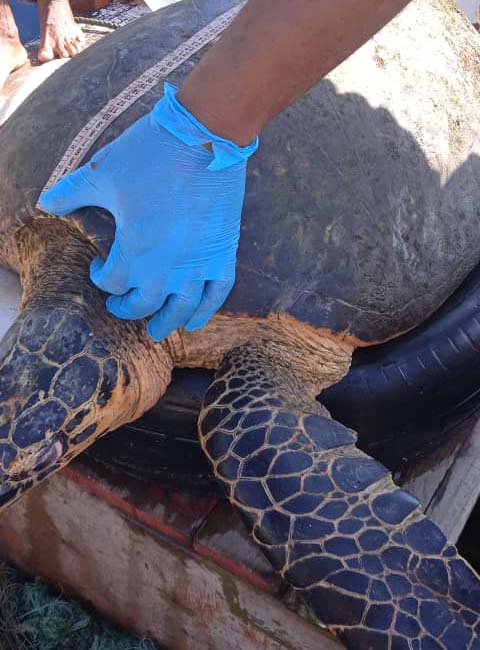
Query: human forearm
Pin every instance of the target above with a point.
(272, 54)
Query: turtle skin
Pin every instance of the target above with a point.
(360, 219)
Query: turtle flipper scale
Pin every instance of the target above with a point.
(69, 372)
(330, 519)
(55, 377)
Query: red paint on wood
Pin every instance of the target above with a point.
(116, 501)
(187, 506)
(242, 572)
(183, 503)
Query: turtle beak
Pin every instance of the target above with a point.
(48, 457)
(25, 470)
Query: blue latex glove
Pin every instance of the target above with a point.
(177, 209)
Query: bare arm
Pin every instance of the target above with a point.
(272, 54)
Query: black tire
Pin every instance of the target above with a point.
(163, 446)
(402, 397)
(405, 396)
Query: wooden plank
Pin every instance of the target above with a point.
(457, 494)
(447, 482)
(145, 581)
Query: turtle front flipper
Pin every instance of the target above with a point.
(330, 519)
(69, 372)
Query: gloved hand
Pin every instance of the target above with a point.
(177, 209)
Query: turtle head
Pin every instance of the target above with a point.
(69, 371)
(61, 387)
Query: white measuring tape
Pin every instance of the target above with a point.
(88, 135)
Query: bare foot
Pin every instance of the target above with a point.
(60, 36)
(12, 53)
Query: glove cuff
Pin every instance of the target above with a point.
(177, 120)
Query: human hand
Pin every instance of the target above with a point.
(177, 209)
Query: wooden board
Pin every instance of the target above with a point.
(447, 482)
(152, 570)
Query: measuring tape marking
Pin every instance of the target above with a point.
(88, 135)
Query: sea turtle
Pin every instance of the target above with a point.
(410, 369)
(361, 217)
